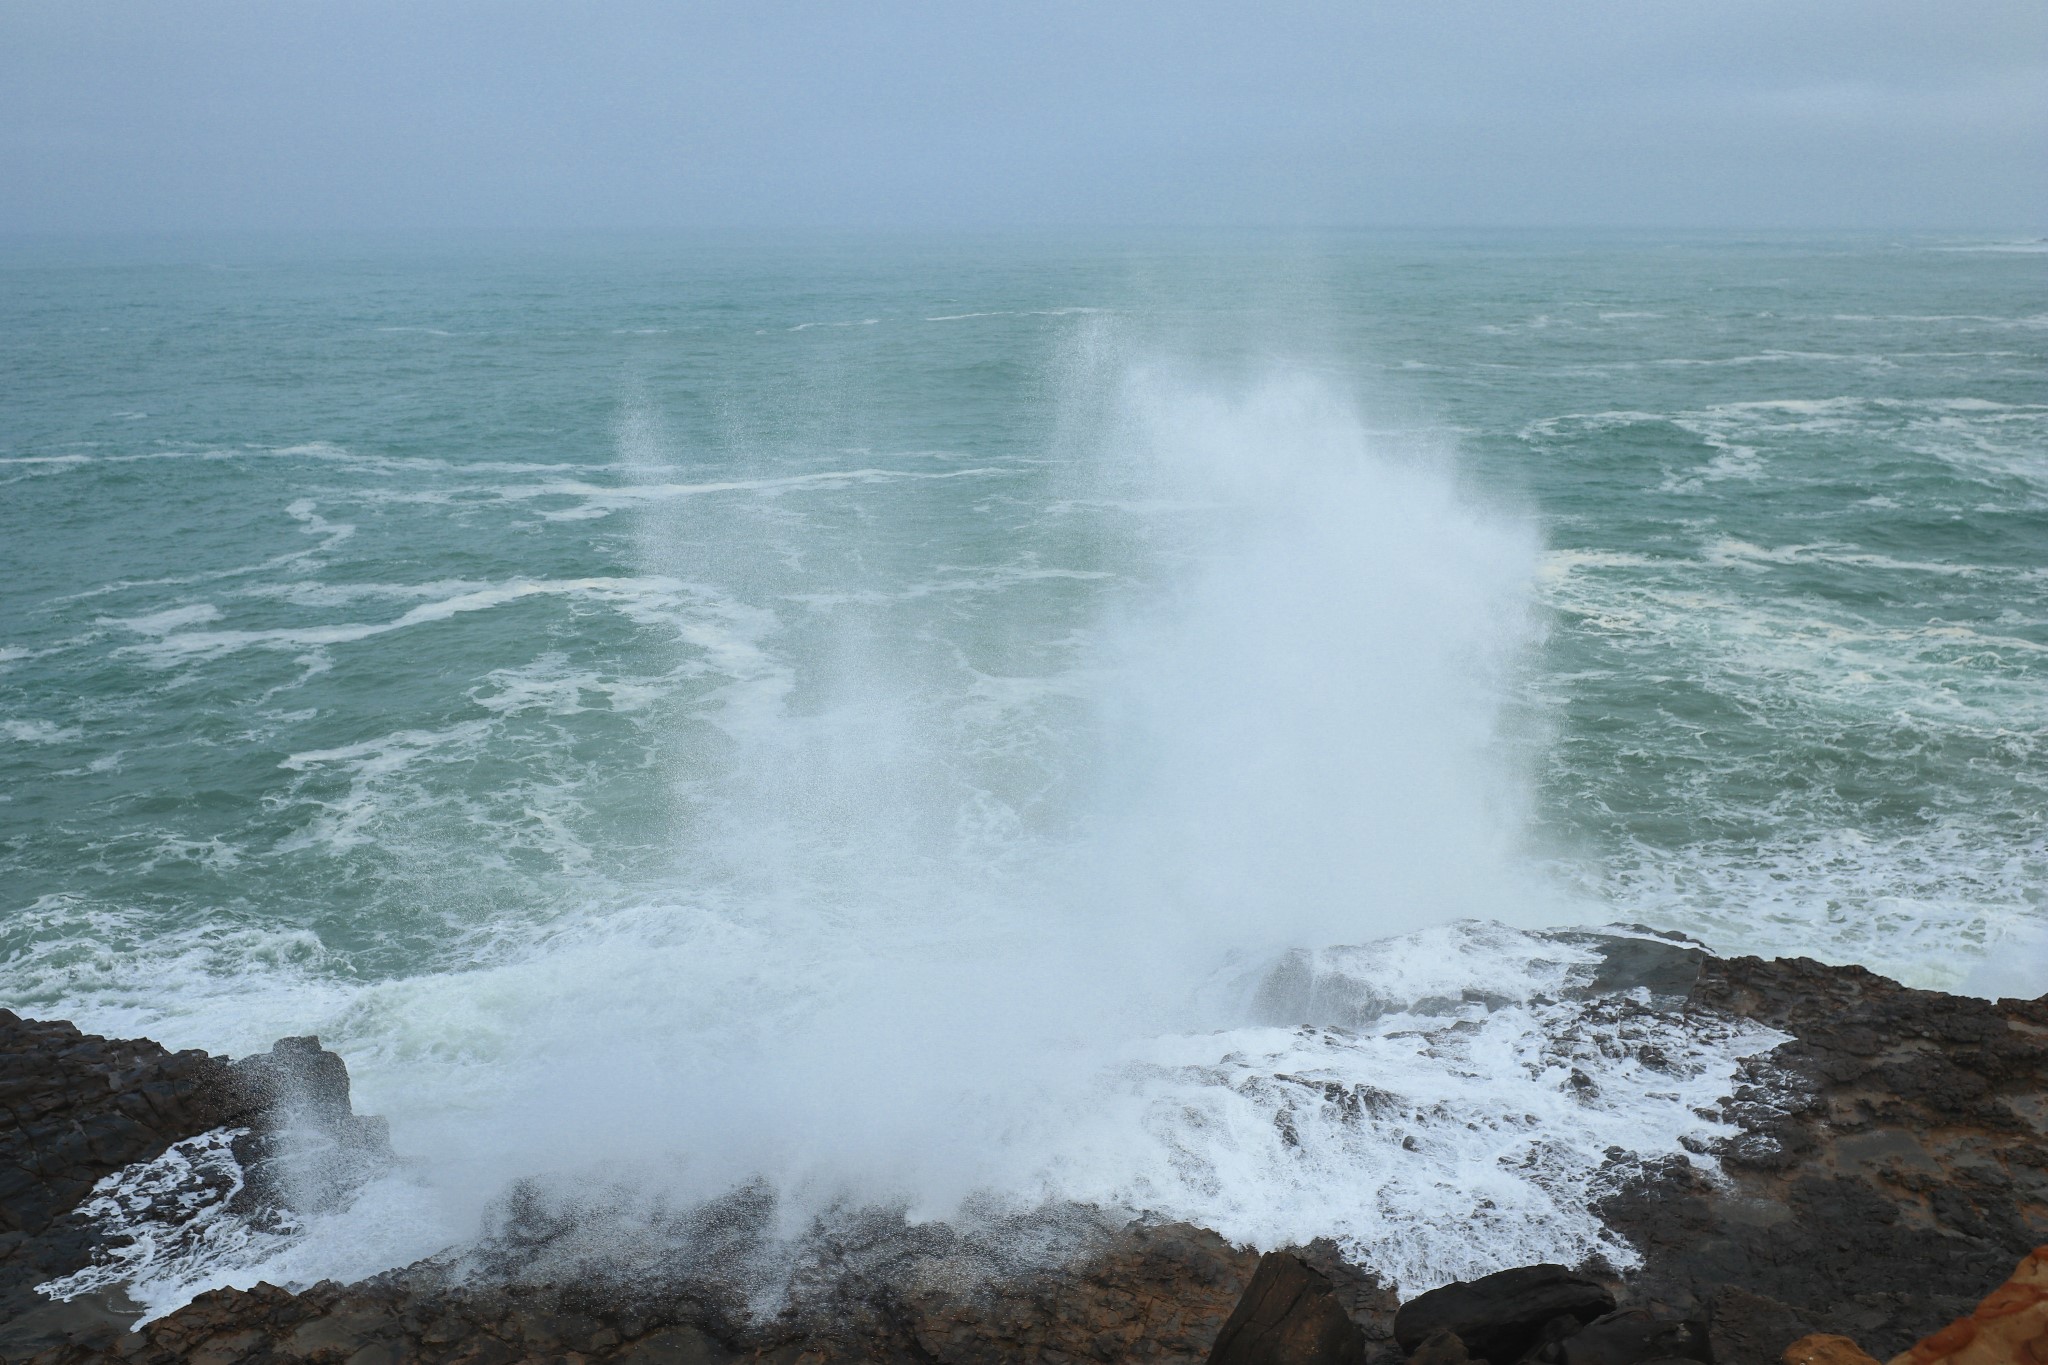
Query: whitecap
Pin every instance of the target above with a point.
(40, 732)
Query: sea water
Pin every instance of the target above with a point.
(871, 719)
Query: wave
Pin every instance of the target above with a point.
(946, 923)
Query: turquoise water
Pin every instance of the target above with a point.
(696, 649)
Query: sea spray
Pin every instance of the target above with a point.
(1300, 712)
(901, 960)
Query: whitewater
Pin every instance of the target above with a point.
(1003, 727)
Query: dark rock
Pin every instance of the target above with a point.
(297, 1080)
(77, 1108)
(311, 1150)
(1152, 1294)
(1749, 1329)
(1357, 1294)
(1892, 1161)
(1501, 1316)
(81, 1107)
(1667, 970)
(1148, 1293)
(1441, 1347)
(1289, 1315)
(1549, 1344)
(2011, 1324)
(673, 1346)
(96, 1320)
(1633, 1336)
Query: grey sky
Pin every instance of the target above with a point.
(141, 114)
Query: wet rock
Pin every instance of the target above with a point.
(1667, 970)
(2010, 1327)
(1742, 1326)
(1633, 1336)
(1441, 1347)
(79, 1107)
(310, 1150)
(1891, 1161)
(1370, 1304)
(1310, 1303)
(1502, 1316)
(1548, 1348)
(1153, 1294)
(1289, 1315)
(97, 1320)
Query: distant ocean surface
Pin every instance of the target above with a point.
(872, 714)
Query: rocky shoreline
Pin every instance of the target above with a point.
(1889, 1170)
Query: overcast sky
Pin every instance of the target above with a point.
(146, 114)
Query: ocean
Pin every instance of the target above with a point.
(872, 718)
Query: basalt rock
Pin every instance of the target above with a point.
(1308, 1306)
(307, 1148)
(1631, 1336)
(79, 1108)
(1891, 1162)
(1153, 1294)
(1502, 1317)
(1157, 1294)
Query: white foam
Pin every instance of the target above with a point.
(171, 619)
(170, 1226)
(1433, 1149)
(551, 686)
(312, 593)
(1016, 313)
(2032, 248)
(1991, 441)
(170, 1232)
(1727, 550)
(1935, 908)
(1812, 648)
(634, 595)
(39, 732)
(602, 499)
(1558, 564)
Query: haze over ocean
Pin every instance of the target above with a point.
(869, 711)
